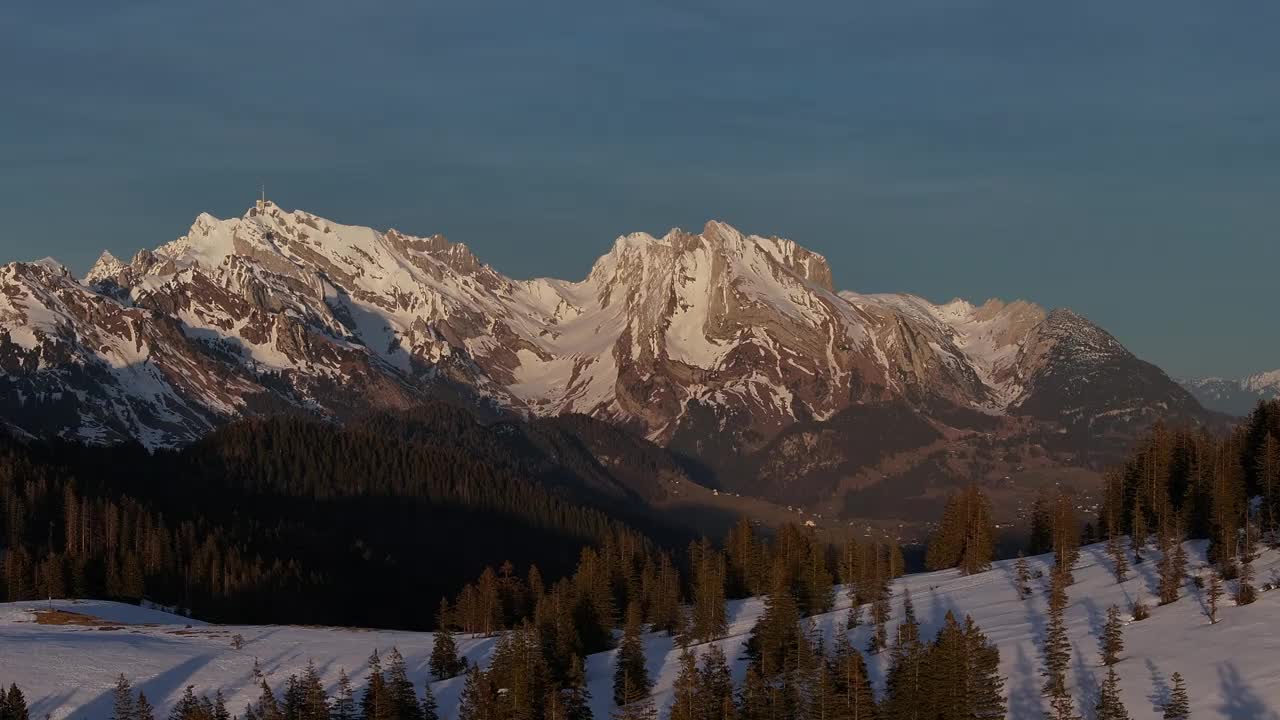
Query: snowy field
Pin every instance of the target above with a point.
(1232, 668)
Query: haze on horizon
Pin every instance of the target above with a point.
(1119, 159)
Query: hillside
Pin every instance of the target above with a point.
(1230, 668)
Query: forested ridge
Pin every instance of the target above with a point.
(262, 514)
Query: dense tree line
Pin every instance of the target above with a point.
(281, 520)
(966, 535)
(1188, 483)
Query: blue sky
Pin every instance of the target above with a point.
(1119, 158)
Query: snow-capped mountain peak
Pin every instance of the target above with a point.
(685, 336)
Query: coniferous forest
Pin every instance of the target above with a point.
(352, 507)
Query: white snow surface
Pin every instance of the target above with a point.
(1230, 667)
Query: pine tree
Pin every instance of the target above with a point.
(220, 707)
(1061, 707)
(344, 702)
(123, 706)
(1138, 530)
(1178, 707)
(1214, 594)
(716, 683)
(1111, 644)
(267, 707)
(1172, 570)
(709, 619)
(906, 677)
(855, 699)
(315, 703)
(687, 693)
(14, 704)
(1066, 540)
(1040, 540)
(1119, 563)
(753, 697)
(444, 661)
(577, 698)
(965, 537)
(478, 698)
(631, 678)
(430, 707)
(400, 690)
(1023, 574)
(1246, 593)
(1110, 706)
(984, 688)
(375, 704)
(1057, 646)
(142, 708)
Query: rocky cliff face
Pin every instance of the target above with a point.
(714, 343)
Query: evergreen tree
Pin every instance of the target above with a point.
(401, 695)
(1178, 707)
(577, 698)
(687, 693)
(753, 697)
(1040, 540)
(631, 678)
(13, 704)
(1022, 572)
(984, 688)
(142, 708)
(1138, 531)
(267, 707)
(315, 702)
(375, 703)
(1120, 564)
(965, 537)
(1111, 644)
(716, 682)
(855, 699)
(1172, 570)
(123, 705)
(905, 680)
(1110, 706)
(344, 702)
(479, 698)
(1057, 646)
(220, 707)
(444, 661)
(1246, 593)
(430, 707)
(187, 707)
(1214, 594)
(1066, 539)
(709, 619)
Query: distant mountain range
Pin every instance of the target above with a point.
(1234, 397)
(734, 351)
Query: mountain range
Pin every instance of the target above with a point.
(733, 351)
(1234, 397)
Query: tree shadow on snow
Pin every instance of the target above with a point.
(1159, 696)
(1024, 698)
(1240, 702)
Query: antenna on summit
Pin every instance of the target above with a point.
(262, 202)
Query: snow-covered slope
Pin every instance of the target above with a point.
(1235, 397)
(692, 339)
(1231, 668)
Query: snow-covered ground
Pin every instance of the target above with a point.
(1232, 668)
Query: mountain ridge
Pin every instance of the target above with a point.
(713, 342)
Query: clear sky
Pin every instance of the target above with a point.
(1120, 158)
